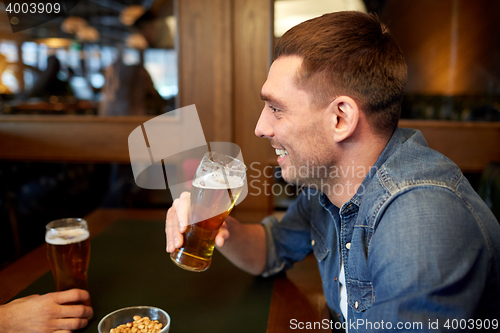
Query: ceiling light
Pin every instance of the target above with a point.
(137, 41)
(88, 34)
(72, 24)
(130, 14)
(55, 43)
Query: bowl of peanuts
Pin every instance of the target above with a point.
(135, 319)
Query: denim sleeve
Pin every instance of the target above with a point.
(429, 259)
(288, 240)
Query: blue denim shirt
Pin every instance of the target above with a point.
(417, 243)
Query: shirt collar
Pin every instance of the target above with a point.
(397, 139)
(327, 204)
(399, 136)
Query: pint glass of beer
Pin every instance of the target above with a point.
(216, 186)
(68, 252)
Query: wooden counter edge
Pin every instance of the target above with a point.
(298, 295)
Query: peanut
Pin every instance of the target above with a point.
(140, 324)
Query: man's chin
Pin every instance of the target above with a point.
(299, 182)
(293, 181)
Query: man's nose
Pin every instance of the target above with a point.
(264, 128)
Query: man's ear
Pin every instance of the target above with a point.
(344, 113)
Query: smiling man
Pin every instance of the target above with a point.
(319, 137)
(400, 236)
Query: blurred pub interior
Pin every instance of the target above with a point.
(109, 65)
(104, 58)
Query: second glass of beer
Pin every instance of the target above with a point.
(217, 184)
(68, 252)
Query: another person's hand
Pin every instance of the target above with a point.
(177, 221)
(46, 313)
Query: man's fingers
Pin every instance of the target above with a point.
(71, 324)
(172, 229)
(76, 311)
(177, 221)
(222, 235)
(182, 206)
(70, 296)
(79, 313)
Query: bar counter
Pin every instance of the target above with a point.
(129, 266)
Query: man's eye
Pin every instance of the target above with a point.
(273, 109)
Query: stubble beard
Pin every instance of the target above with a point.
(308, 175)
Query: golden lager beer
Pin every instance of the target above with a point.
(68, 252)
(213, 195)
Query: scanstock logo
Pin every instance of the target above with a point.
(166, 150)
(28, 14)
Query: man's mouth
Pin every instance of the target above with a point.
(281, 152)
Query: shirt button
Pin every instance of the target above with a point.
(348, 246)
(335, 279)
(313, 242)
(338, 315)
(356, 305)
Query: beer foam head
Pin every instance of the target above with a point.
(218, 180)
(66, 235)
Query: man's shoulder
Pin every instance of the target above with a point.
(413, 163)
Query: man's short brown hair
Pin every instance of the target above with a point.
(351, 54)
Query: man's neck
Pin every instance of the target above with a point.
(351, 171)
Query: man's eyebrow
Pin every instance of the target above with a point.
(265, 97)
(272, 99)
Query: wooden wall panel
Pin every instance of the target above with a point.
(67, 138)
(471, 145)
(205, 64)
(252, 54)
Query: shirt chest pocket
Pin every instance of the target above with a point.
(360, 295)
